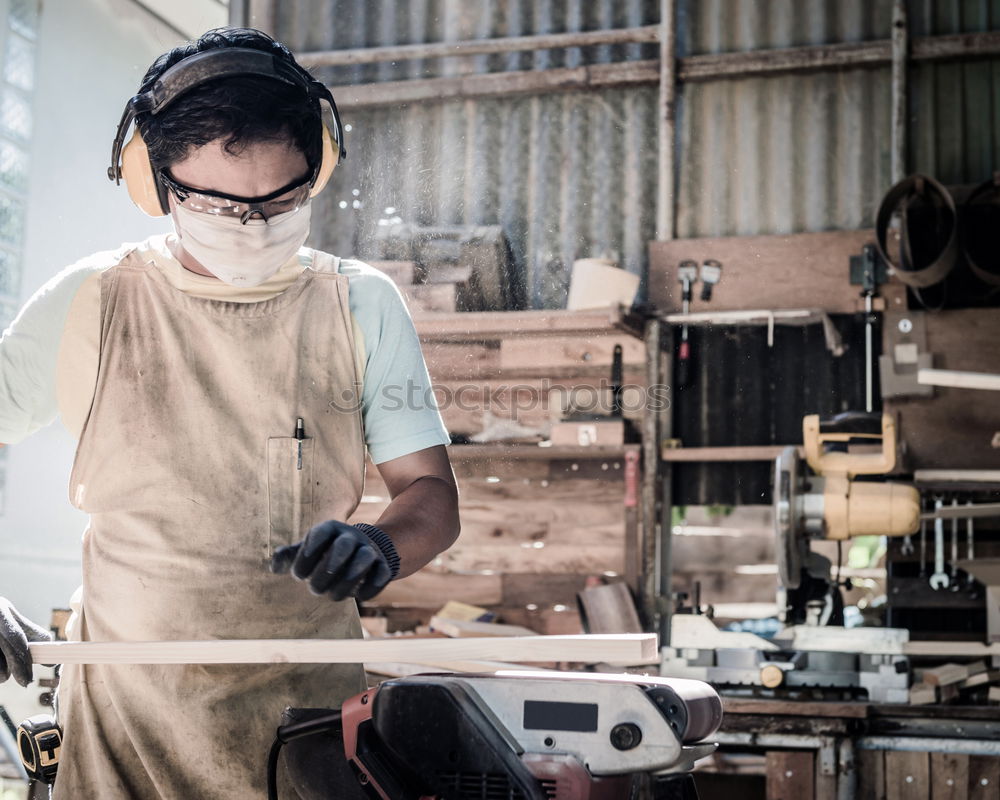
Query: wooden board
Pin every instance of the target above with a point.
(576, 351)
(946, 674)
(955, 428)
(427, 297)
(871, 774)
(474, 359)
(465, 405)
(790, 775)
(429, 587)
(464, 629)
(803, 270)
(571, 526)
(947, 649)
(949, 776)
(625, 648)
(959, 379)
(522, 589)
(984, 777)
(402, 273)
(712, 454)
(907, 775)
(513, 324)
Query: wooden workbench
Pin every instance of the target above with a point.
(864, 751)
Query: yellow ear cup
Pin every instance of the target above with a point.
(331, 154)
(138, 176)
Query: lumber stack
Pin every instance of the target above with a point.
(518, 373)
(533, 531)
(447, 268)
(950, 682)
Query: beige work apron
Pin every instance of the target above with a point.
(189, 469)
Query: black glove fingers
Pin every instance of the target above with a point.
(330, 570)
(376, 581)
(32, 631)
(313, 548)
(14, 646)
(282, 558)
(356, 572)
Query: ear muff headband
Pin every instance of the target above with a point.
(130, 162)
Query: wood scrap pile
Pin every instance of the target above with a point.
(456, 620)
(447, 268)
(513, 376)
(976, 683)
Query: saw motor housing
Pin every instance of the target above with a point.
(831, 504)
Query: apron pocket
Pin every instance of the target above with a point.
(289, 491)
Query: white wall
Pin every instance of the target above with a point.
(91, 56)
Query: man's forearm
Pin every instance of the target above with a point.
(422, 521)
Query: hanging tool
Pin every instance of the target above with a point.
(869, 286)
(711, 272)
(954, 548)
(687, 274)
(617, 379)
(970, 543)
(939, 580)
(923, 548)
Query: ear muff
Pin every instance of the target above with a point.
(131, 162)
(140, 180)
(328, 162)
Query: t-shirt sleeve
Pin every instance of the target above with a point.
(400, 413)
(29, 351)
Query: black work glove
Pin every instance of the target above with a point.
(341, 560)
(15, 633)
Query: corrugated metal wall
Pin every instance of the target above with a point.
(567, 176)
(573, 175)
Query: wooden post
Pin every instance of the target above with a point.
(667, 107)
(650, 479)
(790, 775)
(259, 14)
(900, 47)
(665, 544)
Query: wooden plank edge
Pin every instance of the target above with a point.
(622, 648)
(734, 453)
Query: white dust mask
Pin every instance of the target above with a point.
(238, 254)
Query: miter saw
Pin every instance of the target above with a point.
(508, 735)
(831, 504)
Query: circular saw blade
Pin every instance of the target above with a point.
(788, 542)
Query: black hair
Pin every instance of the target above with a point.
(239, 110)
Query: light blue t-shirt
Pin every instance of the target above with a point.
(398, 407)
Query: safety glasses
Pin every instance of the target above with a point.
(281, 201)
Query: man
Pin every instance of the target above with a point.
(224, 383)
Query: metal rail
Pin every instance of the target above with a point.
(706, 67)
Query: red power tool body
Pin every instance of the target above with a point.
(525, 736)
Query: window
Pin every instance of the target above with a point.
(17, 80)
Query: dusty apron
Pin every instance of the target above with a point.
(190, 471)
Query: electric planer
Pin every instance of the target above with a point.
(513, 734)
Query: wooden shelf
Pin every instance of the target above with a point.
(481, 325)
(534, 452)
(736, 453)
